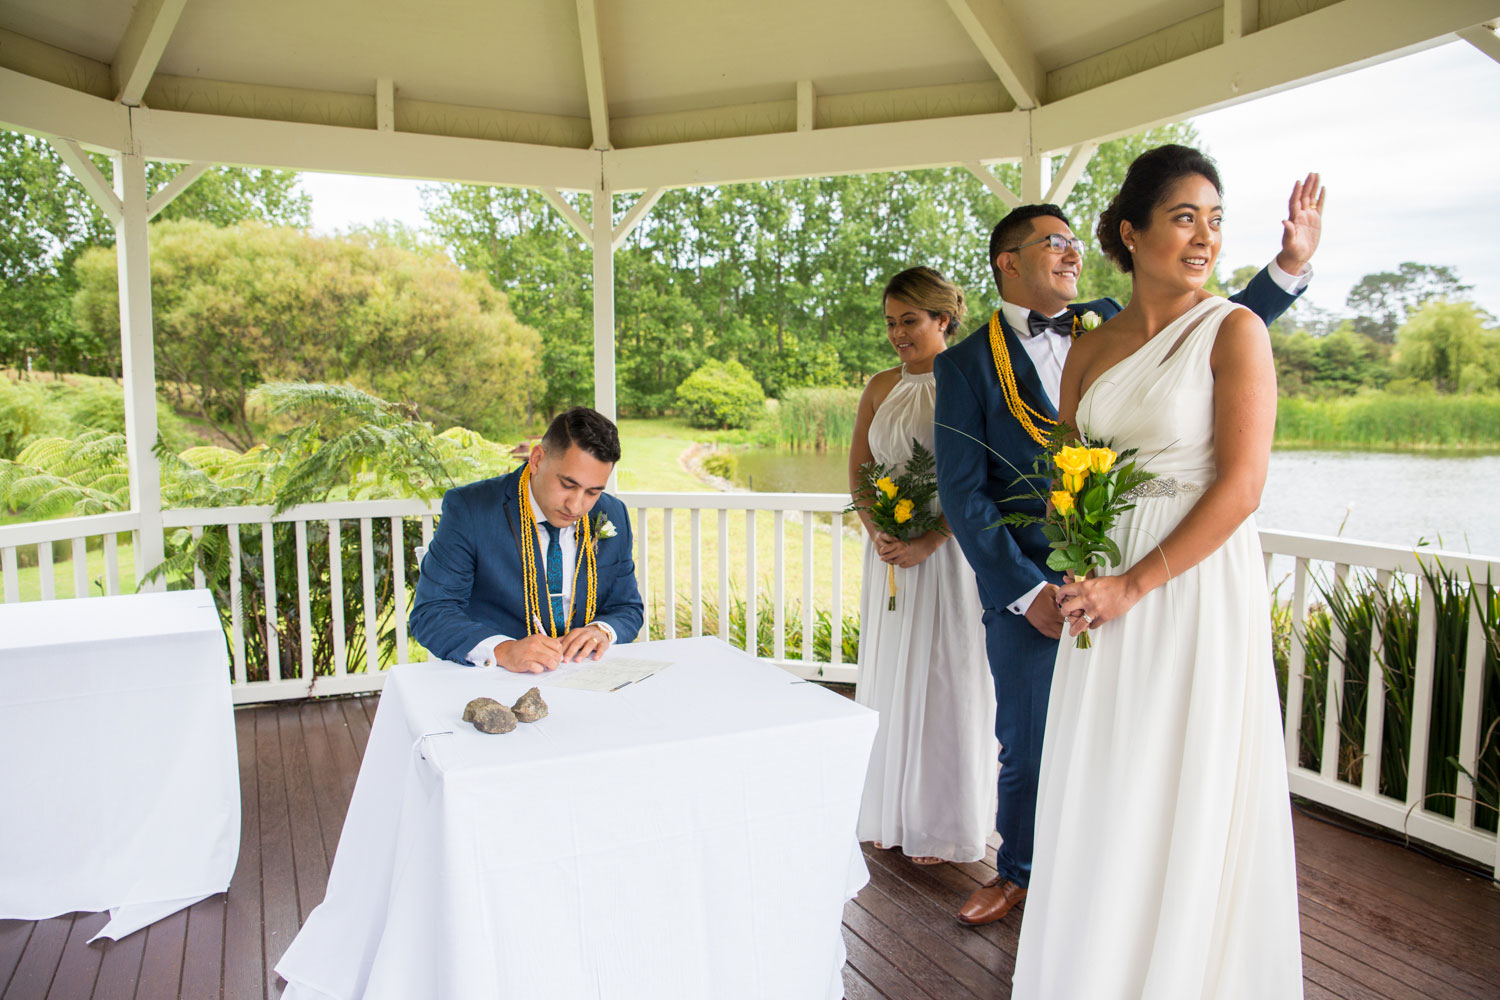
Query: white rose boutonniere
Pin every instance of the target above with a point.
(604, 527)
(1083, 322)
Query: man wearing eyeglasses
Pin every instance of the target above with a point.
(981, 449)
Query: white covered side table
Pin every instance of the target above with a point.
(688, 836)
(118, 770)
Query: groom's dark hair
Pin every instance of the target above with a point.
(587, 429)
(1013, 230)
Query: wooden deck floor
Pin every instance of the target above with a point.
(1377, 921)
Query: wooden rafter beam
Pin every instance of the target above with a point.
(568, 212)
(1483, 38)
(174, 187)
(1313, 46)
(634, 217)
(993, 31)
(94, 182)
(141, 47)
(1241, 17)
(1072, 169)
(989, 180)
(593, 71)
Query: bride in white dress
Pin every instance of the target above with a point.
(931, 784)
(1164, 865)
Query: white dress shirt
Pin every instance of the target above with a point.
(483, 655)
(1049, 351)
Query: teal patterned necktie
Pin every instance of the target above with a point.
(555, 576)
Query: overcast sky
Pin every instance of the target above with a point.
(1409, 150)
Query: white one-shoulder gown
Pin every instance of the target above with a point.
(1164, 865)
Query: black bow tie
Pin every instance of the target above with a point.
(1059, 325)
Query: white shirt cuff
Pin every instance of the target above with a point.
(483, 655)
(1023, 603)
(1292, 284)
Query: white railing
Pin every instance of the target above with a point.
(696, 553)
(1333, 562)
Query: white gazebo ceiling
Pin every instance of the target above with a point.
(647, 93)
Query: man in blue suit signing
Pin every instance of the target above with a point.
(982, 448)
(534, 568)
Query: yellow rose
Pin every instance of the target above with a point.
(1101, 460)
(1073, 460)
(1062, 501)
(885, 486)
(1073, 482)
(903, 511)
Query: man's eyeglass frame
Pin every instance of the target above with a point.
(1056, 242)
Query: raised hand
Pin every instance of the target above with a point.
(1303, 227)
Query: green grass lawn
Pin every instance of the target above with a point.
(62, 573)
(651, 463)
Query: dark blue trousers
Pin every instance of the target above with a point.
(1021, 661)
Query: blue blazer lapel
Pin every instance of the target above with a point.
(1027, 380)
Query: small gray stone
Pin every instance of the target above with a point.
(489, 716)
(530, 707)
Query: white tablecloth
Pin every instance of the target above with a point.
(118, 773)
(689, 836)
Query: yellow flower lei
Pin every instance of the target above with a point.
(531, 591)
(1019, 408)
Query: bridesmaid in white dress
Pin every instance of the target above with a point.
(922, 666)
(1164, 864)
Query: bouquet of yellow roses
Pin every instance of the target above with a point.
(1095, 482)
(899, 501)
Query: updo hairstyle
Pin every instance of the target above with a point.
(927, 289)
(1145, 187)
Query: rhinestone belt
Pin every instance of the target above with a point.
(1162, 486)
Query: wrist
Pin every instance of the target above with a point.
(1290, 263)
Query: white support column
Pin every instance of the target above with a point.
(138, 362)
(604, 301)
(1036, 177)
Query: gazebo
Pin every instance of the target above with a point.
(639, 96)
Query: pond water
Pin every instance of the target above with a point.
(1376, 496)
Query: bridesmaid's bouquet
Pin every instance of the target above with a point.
(1092, 486)
(899, 500)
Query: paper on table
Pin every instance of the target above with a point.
(609, 674)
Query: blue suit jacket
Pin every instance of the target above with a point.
(975, 485)
(470, 583)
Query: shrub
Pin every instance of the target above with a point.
(720, 394)
(719, 463)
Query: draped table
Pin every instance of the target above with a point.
(118, 770)
(688, 836)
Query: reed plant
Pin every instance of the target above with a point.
(817, 417)
(1385, 421)
(1361, 609)
(1486, 774)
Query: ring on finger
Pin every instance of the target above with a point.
(1088, 619)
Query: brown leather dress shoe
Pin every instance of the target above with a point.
(991, 901)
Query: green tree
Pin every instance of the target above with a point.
(247, 304)
(1382, 302)
(1450, 346)
(48, 220)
